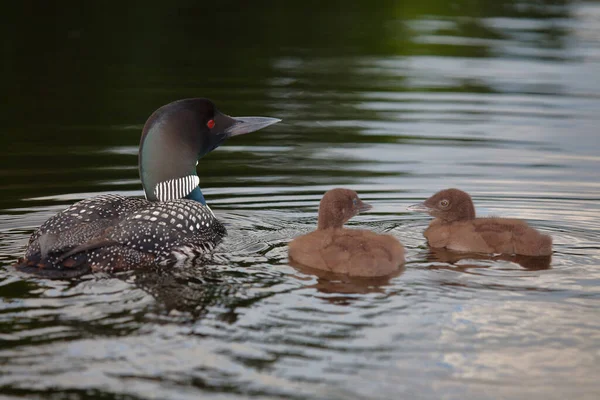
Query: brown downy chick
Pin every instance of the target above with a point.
(455, 227)
(336, 249)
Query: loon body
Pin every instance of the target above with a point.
(353, 252)
(115, 233)
(456, 228)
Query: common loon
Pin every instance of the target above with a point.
(456, 228)
(114, 233)
(353, 252)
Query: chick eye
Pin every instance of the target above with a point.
(211, 124)
(355, 201)
(444, 203)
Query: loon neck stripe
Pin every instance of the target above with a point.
(176, 188)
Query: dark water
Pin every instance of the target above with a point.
(393, 99)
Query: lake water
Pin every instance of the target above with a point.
(396, 101)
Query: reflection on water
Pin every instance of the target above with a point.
(463, 261)
(396, 101)
(329, 282)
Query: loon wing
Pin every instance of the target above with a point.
(96, 244)
(81, 223)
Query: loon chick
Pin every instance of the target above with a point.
(353, 252)
(456, 228)
(114, 233)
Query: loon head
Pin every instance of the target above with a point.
(176, 136)
(448, 205)
(339, 205)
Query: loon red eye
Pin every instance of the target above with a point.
(211, 124)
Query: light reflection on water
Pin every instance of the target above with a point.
(515, 125)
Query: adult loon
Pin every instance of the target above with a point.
(114, 233)
(352, 252)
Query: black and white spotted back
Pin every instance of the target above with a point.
(168, 229)
(112, 232)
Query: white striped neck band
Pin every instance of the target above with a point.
(176, 188)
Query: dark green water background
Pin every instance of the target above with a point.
(393, 99)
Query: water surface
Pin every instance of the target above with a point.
(396, 102)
